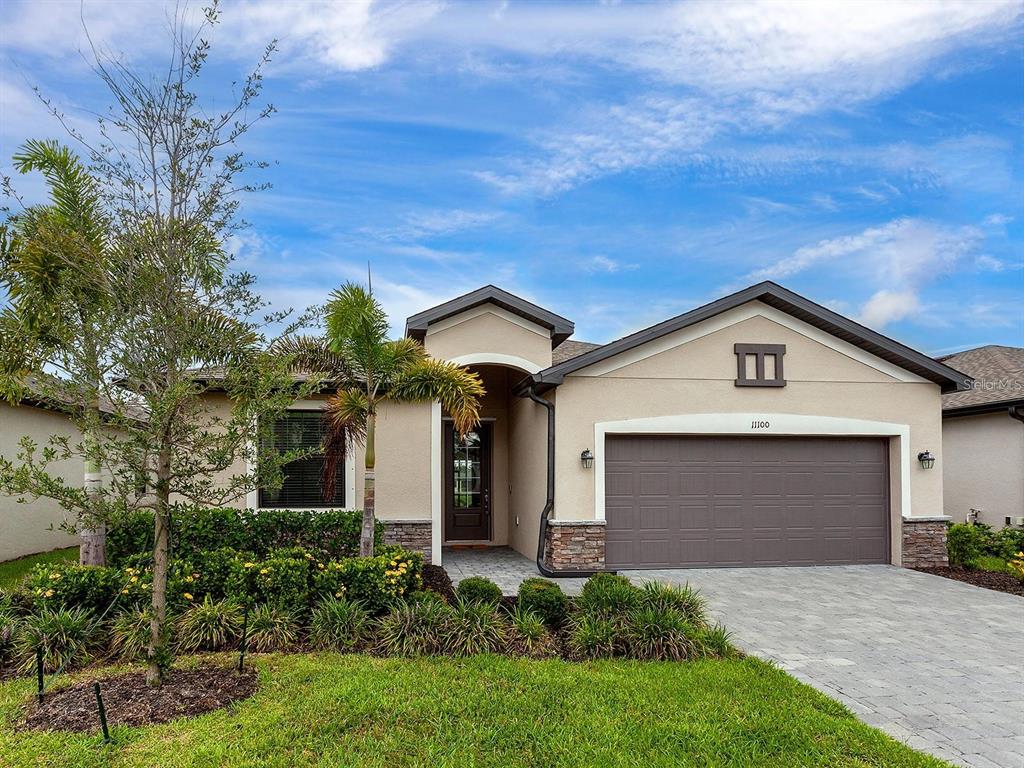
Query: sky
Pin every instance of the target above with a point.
(617, 163)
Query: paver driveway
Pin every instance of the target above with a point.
(936, 663)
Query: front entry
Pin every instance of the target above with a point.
(467, 484)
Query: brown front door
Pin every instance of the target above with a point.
(467, 484)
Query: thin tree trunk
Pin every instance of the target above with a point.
(93, 531)
(157, 654)
(369, 501)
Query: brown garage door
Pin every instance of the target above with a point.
(690, 502)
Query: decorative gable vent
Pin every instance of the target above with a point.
(759, 365)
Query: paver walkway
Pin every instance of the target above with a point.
(502, 565)
(935, 663)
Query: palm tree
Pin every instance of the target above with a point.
(57, 268)
(370, 369)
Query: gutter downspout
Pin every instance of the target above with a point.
(1016, 412)
(549, 504)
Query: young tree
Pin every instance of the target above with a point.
(57, 270)
(186, 325)
(370, 369)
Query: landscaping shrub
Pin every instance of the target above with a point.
(1007, 542)
(477, 589)
(1016, 565)
(280, 581)
(8, 629)
(716, 641)
(129, 635)
(332, 533)
(66, 635)
(966, 542)
(659, 634)
(528, 634)
(592, 636)
(339, 624)
(375, 582)
(608, 595)
(414, 629)
(93, 587)
(272, 628)
(475, 627)
(425, 596)
(544, 598)
(209, 625)
(685, 599)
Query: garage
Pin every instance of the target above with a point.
(681, 501)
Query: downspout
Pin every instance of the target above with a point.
(549, 504)
(1017, 412)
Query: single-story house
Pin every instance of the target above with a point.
(983, 438)
(760, 429)
(34, 526)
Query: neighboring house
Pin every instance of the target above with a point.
(760, 429)
(34, 526)
(983, 437)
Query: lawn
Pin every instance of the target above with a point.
(354, 710)
(12, 571)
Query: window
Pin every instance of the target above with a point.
(302, 488)
(759, 365)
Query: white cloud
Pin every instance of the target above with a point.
(885, 307)
(895, 260)
(601, 263)
(998, 220)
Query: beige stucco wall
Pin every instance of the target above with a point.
(698, 377)
(35, 525)
(486, 330)
(403, 463)
(983, 467)
(528, 430)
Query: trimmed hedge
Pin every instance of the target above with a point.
(333, 533)
(292, 579)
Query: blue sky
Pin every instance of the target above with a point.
(617, 163)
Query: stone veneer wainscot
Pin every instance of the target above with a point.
(575, 545)
(924, 542)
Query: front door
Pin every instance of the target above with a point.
(467, 484)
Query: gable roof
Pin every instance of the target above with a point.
(569, 349)
(560, 328)
(998, 374)
(780, 298)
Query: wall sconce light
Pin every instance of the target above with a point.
(926, 459)
(587, 458)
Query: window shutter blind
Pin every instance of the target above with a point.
(300, 430)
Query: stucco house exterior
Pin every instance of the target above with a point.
(34, 526)
(759, 429)
(983, 438)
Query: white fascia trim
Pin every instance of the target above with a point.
(738, 315)
(487, 309)
(435, 483)
(496, 358)
(780, 424)
(252, 498)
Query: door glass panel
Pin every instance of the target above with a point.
(466, 471)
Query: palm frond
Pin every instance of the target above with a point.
(357, 325)
(458, 389)
(309, 354)
(397, 356)
(348, 409)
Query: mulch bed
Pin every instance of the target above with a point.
(129, 701)
(436, 579)
(1001, 582)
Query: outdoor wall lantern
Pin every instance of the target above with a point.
(587, 458)
(926, 459)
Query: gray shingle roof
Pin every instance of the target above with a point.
(569, 349)
(998, 374)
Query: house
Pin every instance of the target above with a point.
(983, 438)
(34, 526)
(760, 429)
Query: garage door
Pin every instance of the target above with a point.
(690, 502)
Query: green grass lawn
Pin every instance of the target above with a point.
(993, 564)
(12, 571)
(334, 710)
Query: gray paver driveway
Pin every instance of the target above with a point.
(936, 663)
